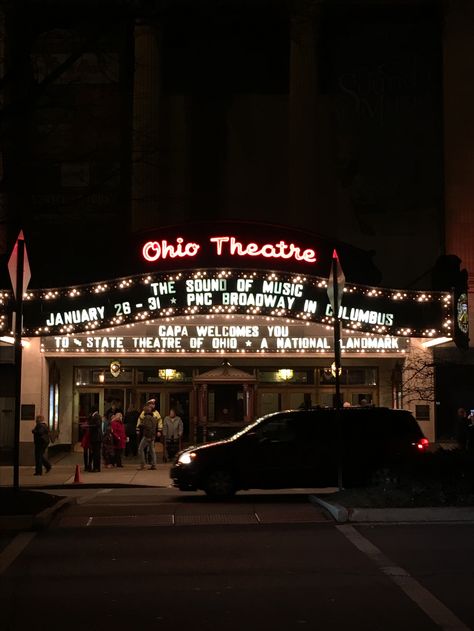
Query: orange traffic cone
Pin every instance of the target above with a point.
(77, 475)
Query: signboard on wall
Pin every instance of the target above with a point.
(229, 338)
(248, 245)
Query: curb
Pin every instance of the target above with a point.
(338, 513)
(427, 515)
(431, 515)
(93, 485)
(42, 520)
(16, 522)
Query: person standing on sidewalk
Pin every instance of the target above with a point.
(470, 449)
(108, 449)
(86, 447)
(172, 431)
(151, 404)
(148, 425)
(462, 422)
(130, 422)
(41, 439)
(120, 438)
(95, 438)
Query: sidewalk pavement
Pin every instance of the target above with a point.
(64, 469)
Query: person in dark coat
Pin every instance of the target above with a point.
(41, 439)
(470, 449)
(462, 422)
(148, 424)
(130, 421)
(108, 450)
(95, 439)
(86, 448)
(470, 436)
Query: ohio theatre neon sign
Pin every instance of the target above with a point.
(227, 245)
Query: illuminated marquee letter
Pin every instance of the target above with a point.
(154, 250)
(280, 250)
(219, 241)
(151, 251)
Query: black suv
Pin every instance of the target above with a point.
(300, 448)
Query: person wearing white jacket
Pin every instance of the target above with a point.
(172, 431)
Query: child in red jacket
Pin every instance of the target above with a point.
(120, 438)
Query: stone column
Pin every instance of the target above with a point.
(195, 414)
(203, 410)
(3, 201)
(34, 391)
(311, 142)
(458, 97)
(145, 135)
(302, 115)
(248, 403)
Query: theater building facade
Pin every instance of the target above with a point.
(226, 323)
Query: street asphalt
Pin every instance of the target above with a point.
(68, 478)
(138, 555)
(127, 557)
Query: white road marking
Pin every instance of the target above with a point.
(14, 549)
(433, 608)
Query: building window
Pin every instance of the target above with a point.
(349, 376)
(422, 412)
(285, 375)
(163, 375)
(100, 376)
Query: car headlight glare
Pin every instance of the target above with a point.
(187, 457)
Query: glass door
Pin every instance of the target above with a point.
(299, 400)
(269, 402)
(114, 401)
(85, 402)
(166, 399)
(284, 399)
(145, 395)
(356, 397)
(351, 397)
(359, 386)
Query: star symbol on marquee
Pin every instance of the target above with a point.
(248, 343)
(173, 301)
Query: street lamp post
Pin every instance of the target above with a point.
(336, 283)
(20, 275)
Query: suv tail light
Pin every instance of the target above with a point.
(422, 444)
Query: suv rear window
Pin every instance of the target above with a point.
(403, 425)
(361, 424)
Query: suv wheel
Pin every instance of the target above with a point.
(220, 484)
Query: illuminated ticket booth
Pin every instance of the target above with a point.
(196, 301)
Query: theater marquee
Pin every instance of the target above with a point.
(243, 269)
(229, 338)
(87, 308)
